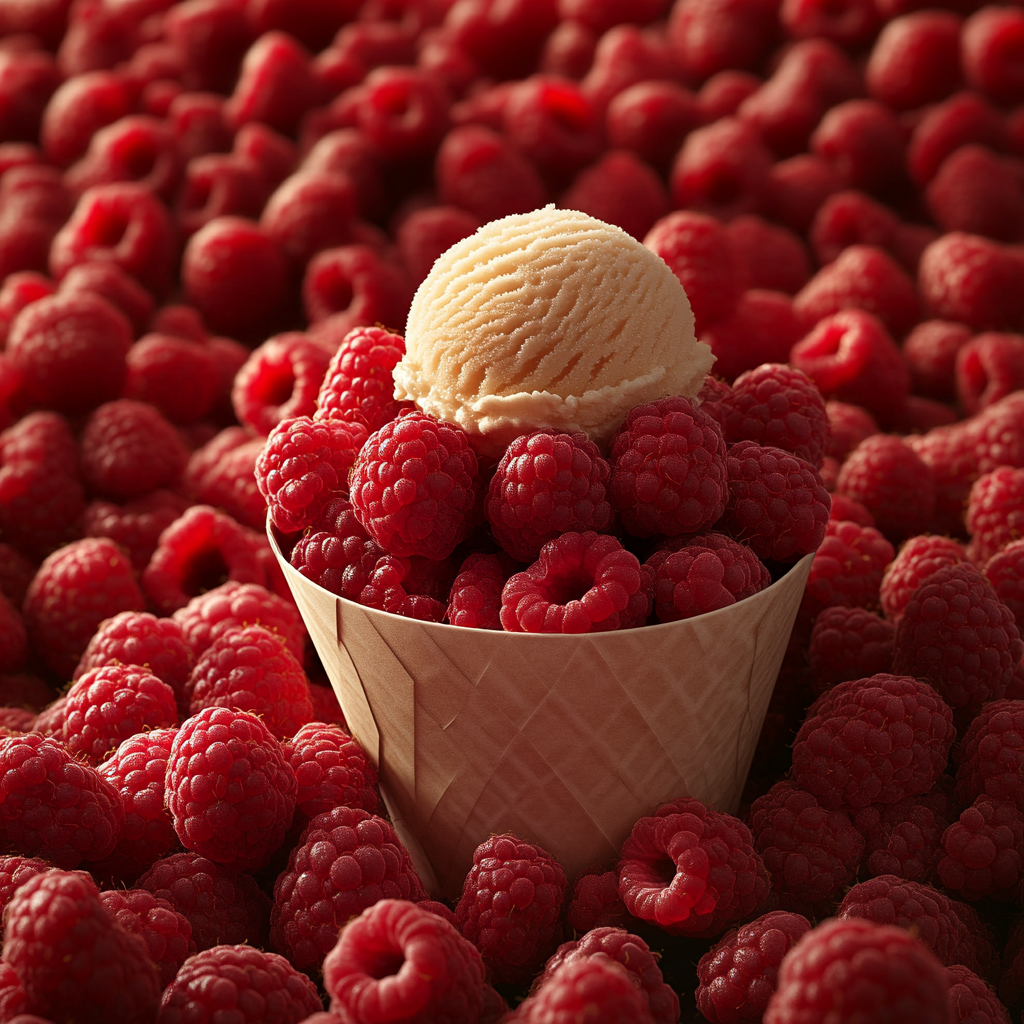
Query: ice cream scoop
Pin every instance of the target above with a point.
(547, 319)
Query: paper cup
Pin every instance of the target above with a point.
(564, 740)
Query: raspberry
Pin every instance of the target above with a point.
(176, 375)
(166, 933)
(708, 38)
(15, 871)
(667, 469)
(50, 721)
(848, 643)
(77, 109)
(53, 806)
(61, 940)
(990, 756)
(624, 56)
(275, 85)
(110, 282)
(251, 669)
(13, 638)
(978, 192)
(847, 567)
(218, 185)
(425, 234)
(918, 558)
(222, 906)
(230, 792)
(346, 860)
(983, 851)
(874, 740)
(475, 598)
(992, 48)
(995, 512)
(851, 218)
(331, 770)
(778, 406)
(1005, 571)
(706, 573)
(691, 870)
(136, 525)
(136, 770)
(414, 486)
(651, 119)
(511, 906)
(989, 367)
(595, 901)
(855, 969)
(769, 256)
(249, 984)
(737, 976)
(956, 633)
(608, 578)
(971, 999)
(777, 502)
(222, 473)
(722, 94)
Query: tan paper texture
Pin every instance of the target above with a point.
(563, 740)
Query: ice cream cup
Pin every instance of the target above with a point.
(564, 740)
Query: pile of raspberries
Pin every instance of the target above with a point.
(213, 217)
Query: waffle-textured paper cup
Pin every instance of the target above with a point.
(563, 740)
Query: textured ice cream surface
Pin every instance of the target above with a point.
(547, 319)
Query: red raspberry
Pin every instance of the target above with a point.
(851, 218)
(777, 505)
(54, 806)
(874, 740)
(709, 572)
(511, 906)
(614, 594)
(218, 185)
(241, 823)
(624, 56)
(978, 192)
(136, 525)
(251, 669)
(60, 939)
(990, 756)
(995, 512)
(918, 558)
(778, 406)
(972, 999)
(50, 721)
(930, 351)
(983, 851)
(275, 85)
(667, 469)
(708, 38)
(221, 905)
(426, 233)
(956, 633)
(77, 109)
(15, 871)
(13, 638)
(222, 473)
(593, 988)
(274, 155)
(75, 589)
(989, 367)
(475, 598)
(303, 465)
(651, 119)
(992, 48)
(847, 568)
(595, 901)
(691, 870)
(848, 643)
(115, 285)
(769, 256)
(415, 486)
(737, 976)
(722, 94)
(812, 853)
(1005, 571)
(176, 375)
(166, 933)
(799, 187)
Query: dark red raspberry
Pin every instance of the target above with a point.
(77, 109)
(777, 504)
(710, 571)
(414, 486)
(895, 732)
(957, 634)
(229, 789)
(426, 233)
(136, 525)
(218, 185)
(609, 578)
(851, 218)
(691, 870)
(475, 597)
(849, 643)
(15, 871)
(13, 638)
(988, 367)
(952, 452)
(60, 939)
(595, 987)
(651, 119)
(737, 976)
(222, 473)
(995, 512)
(722, 94)
(799, 188)
(847, 568)
(917, 559)
(75, 589)
(166, 933)
(623, 56)
(976, 191)
(595, 901)
(275, 85)
(1011, 983)
(984, 851)
(176, 375)
(708, 38)
(251, 669)
(811, 853)
(972, 999)
(346, 860)
(991, 757)
(110, 282)
(866, 142)
(769, 256)
(992, 44)
(1005, 571)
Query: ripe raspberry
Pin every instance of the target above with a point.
(75, 589)
(709, 572)
(812, 853)
(737, 976)
(989, 367)
(166, 933)
(50, 721)
(777, 502)
(15, 871)
(892, 483)
(222, 906)
(222, 473)
(976, 191)
(918, 558)
(345, 861)
(331, 770)
(175, 375)
(136, 525)
(595, 901)
(778, 406)
(1005, 571)
(73, 961)
(984, 851)
(770, 257)
(249, 985)
(229, 789)
(415, 486)
(440, 977)
(111, 703)
(857, 970)
(475, 597)
(990, 757)
(930, 351)
(136, 770)
(995, 512)
(848, 643)
(251, 669)
(691, 870)
(421, 237)
(971, 999)
(957, 634)
(895, 738)
(16, 573)
(511, 906)
(609, 578)
(847, 568)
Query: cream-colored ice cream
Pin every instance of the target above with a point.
(547, 319)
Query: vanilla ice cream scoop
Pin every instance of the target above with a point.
(547, 319)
